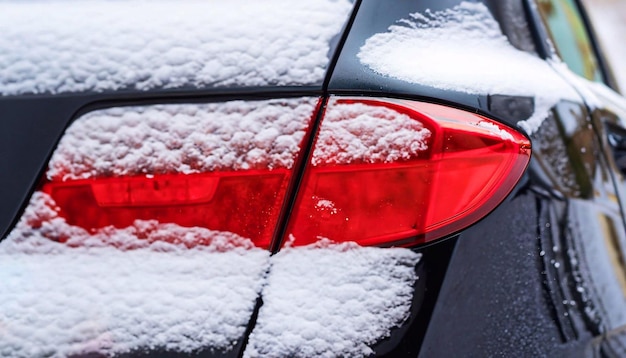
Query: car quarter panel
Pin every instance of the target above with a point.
(538, 287)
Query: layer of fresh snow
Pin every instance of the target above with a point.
(463, 49)
(363, 133)
(155, 285)
(332, 301)
(60, 300)
(110, 301)
(183, 138)
(74, 46)
(236, 135)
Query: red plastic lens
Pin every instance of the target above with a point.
(462, 167)
(246, 203)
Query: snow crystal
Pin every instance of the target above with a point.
(183, 138)
(74, 46)
(362, 133)
(496, 129)
(326, 207)
(463, 49)
(332, 301)
(88, 296)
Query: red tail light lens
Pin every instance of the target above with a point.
(246, 203)
(382, 172)
(225, 167)
(395, 172)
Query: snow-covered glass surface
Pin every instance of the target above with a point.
(76, 46)
(464, 49)
(362, 133)
(183, 138)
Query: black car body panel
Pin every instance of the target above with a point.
(350, 76)
(523, 281)
(533, 296)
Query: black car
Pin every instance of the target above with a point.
(326, 178)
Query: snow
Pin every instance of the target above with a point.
(236, 135)
(110, 301)
(332, 300)
(76, 46)
(183, 138)
(495, 129)
(156, 285)
(364, 133)
(87, 296)
(463, 49)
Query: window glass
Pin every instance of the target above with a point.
(572, 42)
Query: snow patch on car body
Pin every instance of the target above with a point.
(115, 291)
(362, 133)
(464, 49)
(162, 286)
(109, 301)
(183, 138)
(332, 300)
(73, 46)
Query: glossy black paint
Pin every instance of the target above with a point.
(407, 340)
(350, 77)
(492, 302)
(516, 271)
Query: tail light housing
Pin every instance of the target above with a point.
(398, 172)
(225, 167)
(384, 172)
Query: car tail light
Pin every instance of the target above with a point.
(246, 203)
(398, 172)
(381, 172)
(225, 167)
